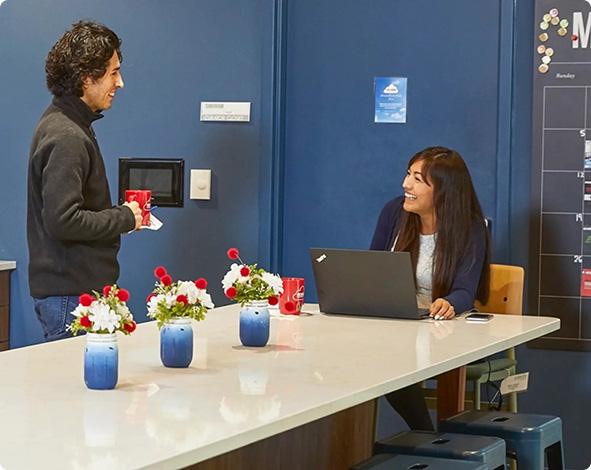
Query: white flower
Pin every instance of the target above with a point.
(124, 312)
(189, 289)
(232, 276)
(170, 299)
(153, 304)
(103, 318)
(80, 311)
(205, 299)
(274, 282)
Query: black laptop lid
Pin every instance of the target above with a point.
(365, 282)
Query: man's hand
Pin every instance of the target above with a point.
(441, 309)
(137, 213)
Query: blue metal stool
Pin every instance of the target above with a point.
(528, 436)
(484, 449)
(416, 462)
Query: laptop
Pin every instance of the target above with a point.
(366, 283)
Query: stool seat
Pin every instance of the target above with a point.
(485, 449)
(416, 462)
(528, 436)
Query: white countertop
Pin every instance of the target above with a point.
(6, 265)
(314, 365)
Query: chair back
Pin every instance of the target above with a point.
(506, 290)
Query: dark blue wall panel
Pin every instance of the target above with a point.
(176, 54)
(341, 167)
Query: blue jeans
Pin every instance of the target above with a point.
(54, 315)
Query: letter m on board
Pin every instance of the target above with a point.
(581, 30)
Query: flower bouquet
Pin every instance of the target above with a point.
(254, 289)
(173, 304)
(101, 316)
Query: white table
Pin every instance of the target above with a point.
(7, 265)
(231, 396)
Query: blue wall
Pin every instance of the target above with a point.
(341, 167)
(174, 57)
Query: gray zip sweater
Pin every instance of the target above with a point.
(73, 229)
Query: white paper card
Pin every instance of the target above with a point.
(515, 383)
(225, 111)
(155, 224)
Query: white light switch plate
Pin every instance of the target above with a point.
(200, 184)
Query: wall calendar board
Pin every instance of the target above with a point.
(560, 237)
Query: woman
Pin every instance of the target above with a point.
(440, 222)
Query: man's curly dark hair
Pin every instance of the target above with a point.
(83, 51)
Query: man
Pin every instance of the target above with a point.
(73, 229)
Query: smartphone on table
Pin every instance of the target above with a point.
(479, 317)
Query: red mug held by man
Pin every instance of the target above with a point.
(292, 298)
(143, 197)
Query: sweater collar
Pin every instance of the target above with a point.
(76, 109)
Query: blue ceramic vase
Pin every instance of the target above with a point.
(254, 323)
(176, 343)
(101, 361)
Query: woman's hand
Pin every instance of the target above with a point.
(441, 309)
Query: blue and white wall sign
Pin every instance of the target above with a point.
(390, 97)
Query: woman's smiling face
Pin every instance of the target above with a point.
(418, 192)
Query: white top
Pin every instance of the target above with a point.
(231, 396)
(424, 273)
(7, 265)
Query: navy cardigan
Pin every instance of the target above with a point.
(465, 284)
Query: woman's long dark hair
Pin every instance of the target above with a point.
(457, 213)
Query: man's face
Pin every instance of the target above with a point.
(98, 94)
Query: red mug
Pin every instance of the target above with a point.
(292, 298)
(143, 197)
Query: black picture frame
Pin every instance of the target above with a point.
(145, 168)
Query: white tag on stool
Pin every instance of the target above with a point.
(515, 383)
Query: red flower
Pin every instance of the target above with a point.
(166, 280)
(85, 322)
(244, 271)
(231, 292)
(86, 300)
(150, 297)
(160, 271)
(182, 299)
(233, 253)
(273, 300)
(201, 283)
(107, 290)
(574, 37)
(290, 306)
(123, 295)
(130, 327)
